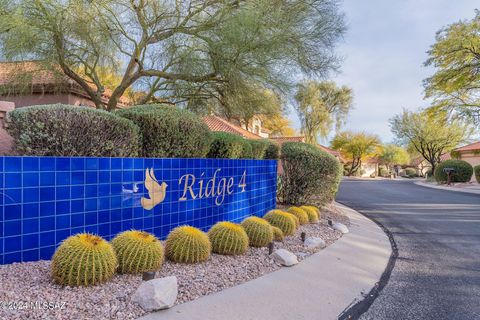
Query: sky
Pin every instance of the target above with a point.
(383, 53)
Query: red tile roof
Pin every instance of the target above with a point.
(215, 123)
(469, 147)
(282, 140)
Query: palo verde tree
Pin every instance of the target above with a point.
(320, 105)
(391, 155)
(355, 148)
(173, 50)
(431, 135)
(455, 85)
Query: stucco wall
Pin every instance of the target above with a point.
(471, 158)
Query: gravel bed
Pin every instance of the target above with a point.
(30, 283)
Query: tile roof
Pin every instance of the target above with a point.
(282, 140)
(215, 123)
(37, 76)
(469, 147)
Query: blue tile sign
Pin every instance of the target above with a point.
(43, 200)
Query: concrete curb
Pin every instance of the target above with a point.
(428, 185)
(320, 287)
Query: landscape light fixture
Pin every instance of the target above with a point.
(148, 275)
(303, 235)
(270, 247)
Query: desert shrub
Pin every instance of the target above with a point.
(259, 231)
(273, 150)
(313, 214)
(282, 220)
(259, 148)
(300, 214)
(463, 171)
(477, 173)
(137, 251)
(429, 173)
(383, 172)
(187, 244)
(63, 130)
(228, 238)
(247, 149)
(310, 174)
(410, 172)
(82, 260)
(168, 131)
(277, 234)
(226, 145)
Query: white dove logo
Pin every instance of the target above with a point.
(156, 191)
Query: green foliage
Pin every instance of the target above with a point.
(463, 171)
(169, 132)
(300, 214)
(247, 150)
(410, 172)
(227, 145)
(82, 260)
(429, 173)
(63, 130)
(228, 238)
(320, 105)
(393, 155)
(259, 148)
(310, 174)
(278, 235)
(273, 151)
(312, 213)
(137, 252)
(282, 220)
(187, 245)
(476, 169)
(259, 231)
(431, 135)
(384, 172)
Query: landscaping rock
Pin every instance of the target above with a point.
(314, 243)
(285, 257)
(340, 227)
(157, 294)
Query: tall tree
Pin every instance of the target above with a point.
(175, 50)
(320, 105)
(455, 86)
(355, 148)
(391, 155)
(431, 135)
(278, 125)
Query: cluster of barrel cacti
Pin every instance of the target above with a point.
(282, 220)
(300, 214)
(312, 212)
(277, 234)
(228, 238)
(188, 245)
(259, 231)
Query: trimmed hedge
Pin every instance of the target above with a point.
(259, 148)
(168, 131)
(476, 169)
(64, 130)
(273, 150)
(463, 171)
(226, 145)
(310, 174)
(410, 172)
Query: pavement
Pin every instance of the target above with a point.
(461, 187)
(437, 232)
(319, 287)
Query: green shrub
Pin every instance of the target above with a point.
(259, 231)
(477, 173)
(226, 145)
(429, 173)
(247, 150)
(463, 171)
(63, 130)
(228, 238)
(273, 150)
(282, 220)
(82, 260)
(384, 172)
(410, 172)
(137, 252)
(300, 214)
(168, 131)
(188, 245)
(259, 148)
(310, 174)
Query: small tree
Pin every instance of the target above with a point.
(431, 135)
(391, 155)
(355, 148)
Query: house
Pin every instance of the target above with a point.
(469, 153)
(216, 123)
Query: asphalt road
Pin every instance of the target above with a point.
(437, 272)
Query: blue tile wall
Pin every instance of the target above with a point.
(43, 200)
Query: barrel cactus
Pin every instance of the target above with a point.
(311, 212)
(277, 234)
(300, 214)
(188, 245)
(282, 220)
(137, 251)
(82, 260)
(228, 238)
(259, 231)
(317, 210)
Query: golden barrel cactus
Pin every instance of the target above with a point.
(313, 216)
(277, 234)
(282, 220)
(228, 238)
(82, 260)
(137, 251)
(258, 230)
(188, 245)
(300, 214)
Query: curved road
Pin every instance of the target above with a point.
(437, 273)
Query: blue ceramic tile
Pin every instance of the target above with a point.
(13, 244)
(47, 253)
(30, 164)
(116, 176)
(13, 212)
(31, 179)
(127, 163)
(62, 193)
(13, 164)
(47, 224)
(92, 163)
(12, 196)
(77, 206)
(91, 177)
(47, 164)
(77, 220)
(47, 178)
(30, 241)
(47, 238)
(13, 227)
(30, 226)
(77, 192)
(12, 257)
(91, 204)
(62, 164)
(104, 163)
(63, 178)
(47, 208)
(62, 207)
(31, 255)
(47, 193)
(91, 218)
(104, 177)
(91, 191)
(103, 190)
(62, 222)
(78, 178)
(31, 195)
(116, 163)
(13, 180)
(77, 164)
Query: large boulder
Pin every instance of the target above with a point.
(340, 227)
(284, 257)
(157, 294)
(314, 243)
